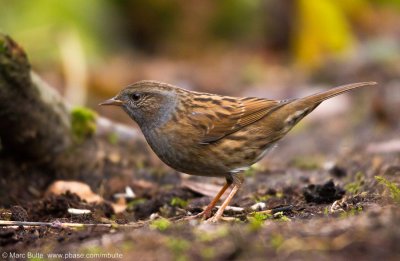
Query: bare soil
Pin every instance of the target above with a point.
(325, 204)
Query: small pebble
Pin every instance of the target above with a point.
(259, 206)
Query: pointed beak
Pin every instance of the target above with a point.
(112, 101)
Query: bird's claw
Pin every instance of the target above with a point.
(204, 216)
(213, 219)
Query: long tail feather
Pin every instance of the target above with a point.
(319, 97)
(297, 109)
(315, 99)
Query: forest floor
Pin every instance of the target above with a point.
(325, 202)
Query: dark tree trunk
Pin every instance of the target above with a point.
(33, 124)
(37, 143)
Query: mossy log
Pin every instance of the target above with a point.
(34, 123)
(43, 139)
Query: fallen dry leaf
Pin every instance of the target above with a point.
(206, 189)
(83, 191)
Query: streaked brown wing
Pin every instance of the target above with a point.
(225, 115)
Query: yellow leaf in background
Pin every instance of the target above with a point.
(354, 6)
(322, 31)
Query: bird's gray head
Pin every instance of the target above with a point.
(149, 103)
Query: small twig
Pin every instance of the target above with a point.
(232, 208)
(268, 211)
(5, 223)
(274, 210)
(76, 211)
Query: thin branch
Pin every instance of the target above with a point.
(6, 223)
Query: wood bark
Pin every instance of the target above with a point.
(34, 123)
(37, 143)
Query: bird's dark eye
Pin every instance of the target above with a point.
(135, 96)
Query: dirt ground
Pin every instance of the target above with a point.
(324, 203)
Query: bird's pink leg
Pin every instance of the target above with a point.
(220, 211)
(207, 212)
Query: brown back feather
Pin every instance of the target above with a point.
(227, 115)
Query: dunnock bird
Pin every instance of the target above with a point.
(212, 135)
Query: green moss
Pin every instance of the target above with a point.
(113, 138)
(276, 241)
(160, 224)
(262, 216)
(393, 188)
(83, 123)
(135, 202)
(257, 220)
(127, 246)
(178, 247)
(208, 253)
(281, 217)
(307, 162)
(178, 202)
(263, 198)
(352, 212)
(356, 186)
(279, 194)
(92, 250)
(211, 235)
(3, 46)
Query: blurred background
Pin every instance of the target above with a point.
(89, 50)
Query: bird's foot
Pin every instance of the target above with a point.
(216, 218)
(213, 219)
(204, 215)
